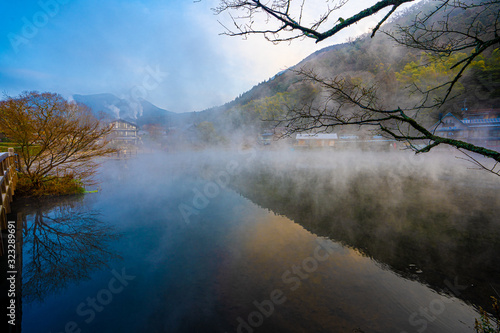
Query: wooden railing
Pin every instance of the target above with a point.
(8, 181)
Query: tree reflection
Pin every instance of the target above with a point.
(63, 242)
(441, 231)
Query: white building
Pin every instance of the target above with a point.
(124, 132)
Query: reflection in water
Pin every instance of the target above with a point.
(322, 286)
(439, 230)
(64, 241)
(218, 272)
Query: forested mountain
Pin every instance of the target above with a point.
(110, 107)
(139, 111)
(394, 70)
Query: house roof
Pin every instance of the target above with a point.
(124, 121)
(465, 123)
(448, 128)
(482, 122)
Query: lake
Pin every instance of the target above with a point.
(265, 241)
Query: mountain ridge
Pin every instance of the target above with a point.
(378, 60)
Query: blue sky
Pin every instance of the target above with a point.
(168, 52)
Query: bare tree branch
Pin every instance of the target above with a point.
(280, 11)
(449, 27)
(56, 138)
(348, 103)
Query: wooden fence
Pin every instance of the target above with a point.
(8, 181)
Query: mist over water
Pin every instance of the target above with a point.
(270, 241)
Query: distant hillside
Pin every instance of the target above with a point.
(107, 105)
(377, 60)
(362, 56)
(141, 111)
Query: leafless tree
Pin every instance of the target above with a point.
(56, 138)
(450, 26)
(287, 18)
(64, 241)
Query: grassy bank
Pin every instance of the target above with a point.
(4, 146)
(49, 186)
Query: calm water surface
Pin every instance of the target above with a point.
(264, 243)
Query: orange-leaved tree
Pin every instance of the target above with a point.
(58, 141)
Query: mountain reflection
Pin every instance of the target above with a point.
(64, 241)
(442, 231)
